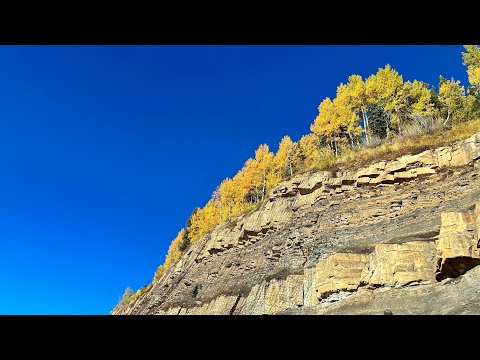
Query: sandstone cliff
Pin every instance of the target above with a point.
(399, 234)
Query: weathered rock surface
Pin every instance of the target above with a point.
(449, 297)
(457, 244)
(403, 264)
(477, 221)
(388, 265)
(344, 234)
(341, 271)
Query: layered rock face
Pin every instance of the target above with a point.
(389, 265)
(324, 239)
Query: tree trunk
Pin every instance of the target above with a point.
(351, 139)
(221, 211)
(365, 126)
(264, 185)
(389, 121)
(448, 117)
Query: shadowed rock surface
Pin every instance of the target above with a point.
(352, 241)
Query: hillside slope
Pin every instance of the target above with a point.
(390, 235)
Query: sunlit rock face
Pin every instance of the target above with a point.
(351, 241)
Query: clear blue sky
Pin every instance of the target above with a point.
(105, 150)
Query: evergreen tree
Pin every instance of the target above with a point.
(182, 246)
(378, 120)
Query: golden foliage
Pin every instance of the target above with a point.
(327, 122)
(174, 253)
(283, 163)
(471, 58)
(474, 77)
(386, 88)
(158, 274)
(452, 96)
(421, 97)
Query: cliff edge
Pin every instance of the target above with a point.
(397, 235)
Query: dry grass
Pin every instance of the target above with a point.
(406, 144)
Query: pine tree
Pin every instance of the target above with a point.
(378, 120)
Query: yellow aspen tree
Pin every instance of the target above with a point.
(194, 228)
(308, 148)
(386, 88)
(201, 222)
(474, 78)
(263, 165)
(210, 218)
(226, 198)
(174, 253)
(347, 111)
(241, 189)
(296, 161)
(250, 180)
(158, 274)
(471, 106)
(421, 98)
(452, 96)
(471, 59)
(326, 122)
(353, 96)
(283, 161)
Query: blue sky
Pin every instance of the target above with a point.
(106, 150)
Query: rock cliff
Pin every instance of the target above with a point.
(400, 235)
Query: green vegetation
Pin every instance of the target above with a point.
(127, 296)
(377, 118)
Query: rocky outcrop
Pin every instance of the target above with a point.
(458, 249)
(389, 265)
(403, 264)
(448, 297)
(341, 272)
(325, 237)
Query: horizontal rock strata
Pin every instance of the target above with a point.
(323, 238)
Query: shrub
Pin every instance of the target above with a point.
(127, 296)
